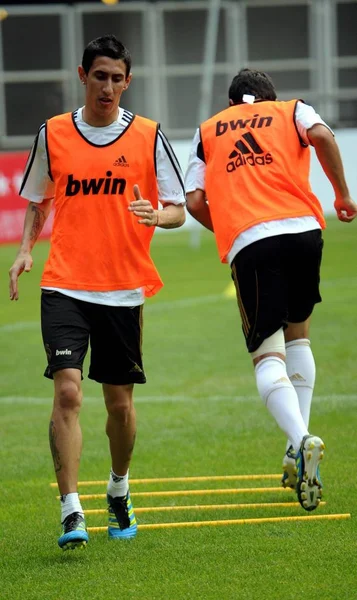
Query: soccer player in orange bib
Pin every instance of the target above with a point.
(104, 170)
(248, 182)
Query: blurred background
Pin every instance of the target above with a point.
(184, 57)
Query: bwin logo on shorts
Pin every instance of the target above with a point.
(248, 153)
(65, 352)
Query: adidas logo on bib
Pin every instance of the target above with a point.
(247, 152)
(121, 162)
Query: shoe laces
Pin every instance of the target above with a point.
(291, 452)
(119, 506)
(72, 521)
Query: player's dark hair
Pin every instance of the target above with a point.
(254, 83)
(107, 45)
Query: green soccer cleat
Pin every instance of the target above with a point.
(289, 477)
(308, 458)
(74, 534)
(121, 518)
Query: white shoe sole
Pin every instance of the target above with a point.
(309, 487)
(289, 478)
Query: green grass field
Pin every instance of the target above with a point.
(199, 414)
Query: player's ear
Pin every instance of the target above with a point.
(82, 75)
(127, 81)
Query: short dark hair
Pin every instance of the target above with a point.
(255, 83)
(107, 45)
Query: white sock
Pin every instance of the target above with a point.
(300, 367)
(70, 503)
(118, 485)
(280, 398)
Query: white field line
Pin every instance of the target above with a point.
(347, 398)
(157, 307)
(160, 306)
(19, 326)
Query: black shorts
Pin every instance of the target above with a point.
(114, 334)
(277, 282)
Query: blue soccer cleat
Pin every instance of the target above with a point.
(289, 477)
(121, 518)
(308, 458)
(74, 534)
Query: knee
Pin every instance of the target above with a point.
(297, 331)
(120, 405)
(120, 411)
(68, 397)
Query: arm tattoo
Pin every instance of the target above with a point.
(38, 222)
(54, 450)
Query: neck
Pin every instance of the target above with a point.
(96, 120)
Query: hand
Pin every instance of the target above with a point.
(143, 209)
(346, 209)
(23, 262)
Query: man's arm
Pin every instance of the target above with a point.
(171, 191)
(198, 208)
(329, 157)
(195, 184)
(38, 189)
(36, 215)
(170, 217)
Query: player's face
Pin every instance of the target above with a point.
(105, 84)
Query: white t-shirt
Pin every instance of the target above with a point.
(38, 186)
(305, 118)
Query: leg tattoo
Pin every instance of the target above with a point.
(54, 450)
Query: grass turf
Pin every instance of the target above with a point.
(199, 414)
